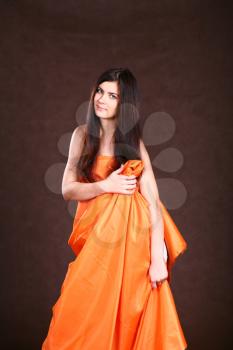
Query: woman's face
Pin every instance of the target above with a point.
(106, 99)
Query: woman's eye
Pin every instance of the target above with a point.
(100, 90)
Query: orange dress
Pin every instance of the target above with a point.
(107, 301)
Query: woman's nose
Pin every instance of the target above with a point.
(102, 98)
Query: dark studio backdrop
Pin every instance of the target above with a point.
(181, 54)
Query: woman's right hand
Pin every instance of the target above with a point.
(119, 183)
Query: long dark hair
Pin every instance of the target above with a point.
(127, 133)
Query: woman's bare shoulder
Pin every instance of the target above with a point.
(83, 127)
(143, 151)
(80, 130)
(76, 144)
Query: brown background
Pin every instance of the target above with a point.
(51, 51)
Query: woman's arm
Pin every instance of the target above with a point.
(149, 190)
(71, 188)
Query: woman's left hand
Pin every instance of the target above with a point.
(158, 272)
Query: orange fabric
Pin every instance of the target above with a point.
(106, 300)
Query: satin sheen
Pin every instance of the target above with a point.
(106, 300)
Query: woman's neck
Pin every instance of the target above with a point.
(107, 129)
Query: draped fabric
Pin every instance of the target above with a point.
(106, 300)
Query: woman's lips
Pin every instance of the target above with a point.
(100, 108)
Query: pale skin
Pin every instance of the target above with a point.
(107, 97)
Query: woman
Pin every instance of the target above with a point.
(116, 293)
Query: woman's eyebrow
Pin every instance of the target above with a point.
(110, 91)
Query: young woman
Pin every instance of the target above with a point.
(116, 294)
